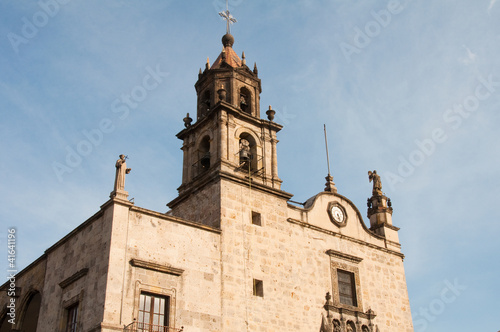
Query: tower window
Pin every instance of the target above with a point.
(204, 155)
(206, 101)
(347, 288)
(245, 100)
(258, 288)
(256, 218)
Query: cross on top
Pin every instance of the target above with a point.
(227, 16)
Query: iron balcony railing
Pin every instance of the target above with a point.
(145, 327)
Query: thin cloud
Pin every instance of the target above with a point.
(469, 58)
(492, 3)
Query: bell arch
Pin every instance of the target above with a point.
(249, 155)
(204, 155)
(245, 100)
(204, 103)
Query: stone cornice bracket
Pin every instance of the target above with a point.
(156, 267)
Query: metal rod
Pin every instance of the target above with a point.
(326, 144)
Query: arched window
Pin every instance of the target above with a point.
(204, 155)
(247, 152)
(30, 317)
(205, 103)
(245, 100)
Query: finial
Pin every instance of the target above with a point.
(222, 93)
(255, 70)
(227, 40)
(226, 15)
(207, 65)
(243, 60)
(270, 113)
(330, 185)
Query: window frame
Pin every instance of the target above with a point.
(256, 218)
(72, 312)
(151, 312)
(351, 285)
(258, 288)
(347, 263)
(141, 287)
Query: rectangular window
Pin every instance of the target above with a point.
(347, 288)
(258, 288)
(153, 313)
(256, 218)
(71, 318)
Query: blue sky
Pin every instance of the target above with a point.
(409, 88)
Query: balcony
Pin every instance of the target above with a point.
(145, 327)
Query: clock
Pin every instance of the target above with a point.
(337, 214)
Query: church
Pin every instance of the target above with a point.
(233, 253)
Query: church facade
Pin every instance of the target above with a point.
(232, 254)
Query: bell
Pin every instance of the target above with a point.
(205, 161)
(245, 155)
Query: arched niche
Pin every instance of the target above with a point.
(350, 326)
(30, 312)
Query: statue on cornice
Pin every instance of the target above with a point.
(377, 184)
(121, 170)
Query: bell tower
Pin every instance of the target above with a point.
(228, 139)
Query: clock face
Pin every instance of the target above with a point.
(337, 214)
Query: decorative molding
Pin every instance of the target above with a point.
(68, 281)
(156, 267)
(326, 231)
(385, 224)
(344, 256)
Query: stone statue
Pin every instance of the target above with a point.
(336, 326)
(121, 170)
(349, 328)
(377, 184)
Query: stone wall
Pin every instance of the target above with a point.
(291, 259)
(164, 255)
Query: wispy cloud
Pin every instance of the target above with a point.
(470, 57)
(492, 3)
